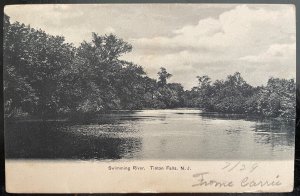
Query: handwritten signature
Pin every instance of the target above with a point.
(204, 179)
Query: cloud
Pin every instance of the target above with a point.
(233, 28)
(279, 60)
(283, 53)
(77, 21)
(248, 39)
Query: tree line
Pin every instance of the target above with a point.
(44, 76)
(235, 95)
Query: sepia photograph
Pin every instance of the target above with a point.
(114, 83)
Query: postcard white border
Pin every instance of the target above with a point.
(95, 176)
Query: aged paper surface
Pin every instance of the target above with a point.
(149, 176)
(126, 98)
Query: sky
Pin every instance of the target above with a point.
(189, 40)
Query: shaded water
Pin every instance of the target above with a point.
(153, 134)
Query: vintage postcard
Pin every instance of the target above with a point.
(128, 98)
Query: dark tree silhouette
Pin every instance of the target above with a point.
(163, 75)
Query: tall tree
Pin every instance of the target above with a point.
(34, 65)
(163, 75)
(106, 81)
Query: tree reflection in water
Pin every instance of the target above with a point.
(152, 134)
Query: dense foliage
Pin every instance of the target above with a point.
(234, 95)
(46, 77)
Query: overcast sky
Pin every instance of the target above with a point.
(187, 39)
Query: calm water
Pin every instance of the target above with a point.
(153, 134)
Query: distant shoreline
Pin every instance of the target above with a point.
(88, 117)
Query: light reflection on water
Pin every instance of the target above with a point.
(154, 134)
(190, 134)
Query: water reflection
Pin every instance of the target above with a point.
(153, 134)
(275, 133)
(49, 140)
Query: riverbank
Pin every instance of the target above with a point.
(91, 116)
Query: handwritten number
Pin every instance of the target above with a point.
(241, 167)
(234, 166)
(228, 164)
(254, 166)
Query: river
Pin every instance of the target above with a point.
(152, 134)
